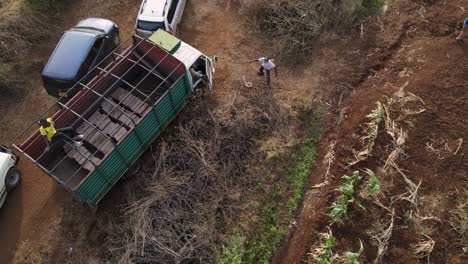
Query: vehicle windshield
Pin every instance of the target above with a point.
(149, 26)
(88, 30)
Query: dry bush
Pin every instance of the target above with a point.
(193, 186)
(459, 221)
(27, 254)
(423, 249)
(45, 5)
(9, 81)
(294, 26)
(20, 32)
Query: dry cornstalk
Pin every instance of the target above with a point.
(383, 239)
(424, 248)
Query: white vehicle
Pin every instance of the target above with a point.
(155, 14)
(198, 65)
(9, 174)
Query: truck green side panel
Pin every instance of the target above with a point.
(117, 163)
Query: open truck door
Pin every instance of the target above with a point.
(209, 72)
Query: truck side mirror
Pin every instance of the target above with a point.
(214, 58)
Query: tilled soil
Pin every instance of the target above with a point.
(412, 46)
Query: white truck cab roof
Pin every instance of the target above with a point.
(179, 49)
(152, 10)
(187, 54)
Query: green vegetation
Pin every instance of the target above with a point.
(371, 7)
(232, 254)
(302, 162)
(352, 257)
(339, 209)
(373, 186)
(324, 252)
(268, 236)
(276, 214)
(377, 114)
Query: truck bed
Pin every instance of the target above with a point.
(120, 112)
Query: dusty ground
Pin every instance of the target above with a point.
(351, 74)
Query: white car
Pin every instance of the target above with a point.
(155, 14)
(9, 174)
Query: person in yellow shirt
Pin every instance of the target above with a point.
(52, 135)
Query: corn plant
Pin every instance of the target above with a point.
(339, 209)
(377, 115)
(352, 257)
(347, 190)
(373, 186)
(323, 254)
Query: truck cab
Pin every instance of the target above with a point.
(193, 59)
(9, 174)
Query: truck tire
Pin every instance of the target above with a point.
(13, 178)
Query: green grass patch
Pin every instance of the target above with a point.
(283, 198)
(233, 253)
(372, 7)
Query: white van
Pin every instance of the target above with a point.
(9, 173)
(156, 14)
(193, 59)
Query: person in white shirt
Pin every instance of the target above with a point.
(197, 74)
(266, 65)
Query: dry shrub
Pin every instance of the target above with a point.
(20, 31)
(45, 5)
(294, 26)
(9, 81)
(193, 187)
(27, 254)
(459, 221)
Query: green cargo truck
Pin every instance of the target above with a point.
(120, 113)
